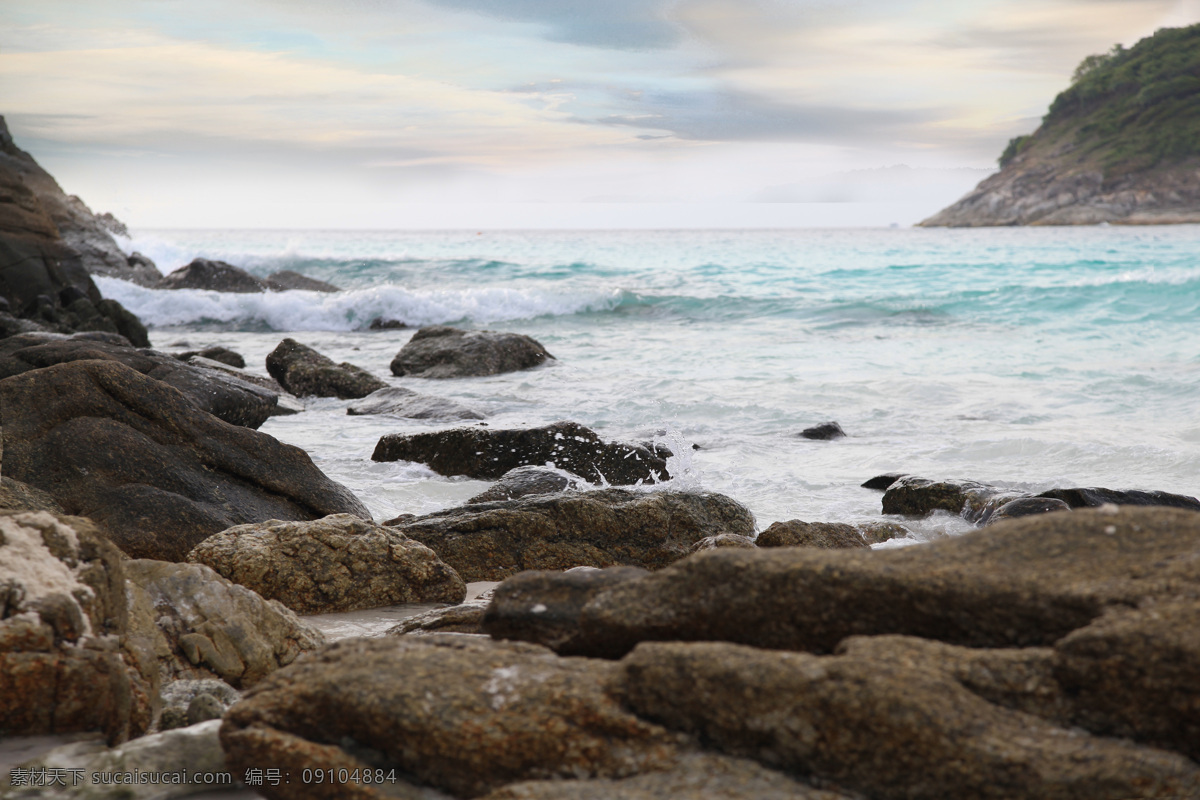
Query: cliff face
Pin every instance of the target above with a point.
(1121, 145)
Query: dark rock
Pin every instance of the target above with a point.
(139, 458)
(1026, 506)
(825, 431)
(524, 481)
(460, 714)
(489, 454)
(143, 269)
(1090, 498)
(1022, 583)
(339, 563)
(381, 324)
(214, 276)
(492, 541)
(975, 502)
(286, 280)
(797, 533)
(882, 482)
(400, 402)
(724, 540)
(126, 323)
(224, 396)
(306, 373)
(543, 607)
(442, 352)
(216, 353)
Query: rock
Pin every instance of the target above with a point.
(339, 563)
(17, 496)
(488, 454)
(286, 280)
(225, 396)
(112, 224)
(797, 533)
(208, 695)
(285, 404)
(876, 532)
(381, 324)
(200, 626)
(460, 714)
(975, 502)
(1022, 583)
(65, 664)
(825, 431)
(930, 737)
(143, 270)
(402, 402)
(610, 527)
(724, 540)
(216, 353)
(882, 482)
(304, 372)
(466, 617)
(155, 472)
(525, 481)
(1091, 498)
(1026, 506)
(214, 276)
(126, 323)
(441, 352)
(544, 607)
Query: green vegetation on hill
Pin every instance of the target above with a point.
(1129, 109)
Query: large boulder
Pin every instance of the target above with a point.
(216, 276)
(441, 352)
(64, 657)
(609, 527)
(480, 452)
(226, 396)
(397, 401)
(155, 472)
(339, 563)
(306, 373)
(199, 625)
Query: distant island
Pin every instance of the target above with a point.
(1121, 145)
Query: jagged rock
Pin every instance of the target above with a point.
(488, 454)
(524, 481)
(401, 402)
(441, 352)
(461, 714)
(63, 616)
(724, 540)
(200, 625)
(17, 496)
(215, 276)
(975, 502)
(304, 372)
(825, 431)
(610, 527)
(155, 472)
(225, 396)
(544, 607)
(216, 353)
(286, 280)
(1093, 497)
(1026, 506)
(466, 617)
(797, 533)
(339, 563)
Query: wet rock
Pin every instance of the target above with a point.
(544, 607)
(63, 619)
(216, 353)
(304, 372)
(339, 563)
(466, 617)
(975, 502)
(214, 276)
(1026, 506)
(1091, 498)
(724, 540)
(286, 280)
(797, 533)
(610, 527)
(877, 532)
(488, 454)
(1022, 583)
(199, 625)
(285, 404)
(381, 324)
(155, 472)
(460, 714)
(525, 481)
(824, 432)
(400, 402)
(882, 482)
(930, 737)
(17, 496)
(441, 352)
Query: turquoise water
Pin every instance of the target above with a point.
(1025, 357)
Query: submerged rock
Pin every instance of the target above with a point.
(401, 402)
(489, 454)
(825, 431)
(286, 280)
(524, 481)
(339, 563)
(441, 352)
(610, 527)
(155, 472)
(304, 372)
(797, 533)
(215, 276)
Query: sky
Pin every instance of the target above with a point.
(539, 113)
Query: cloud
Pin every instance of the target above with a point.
(617, 24)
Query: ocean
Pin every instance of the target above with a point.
(1028, 358)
